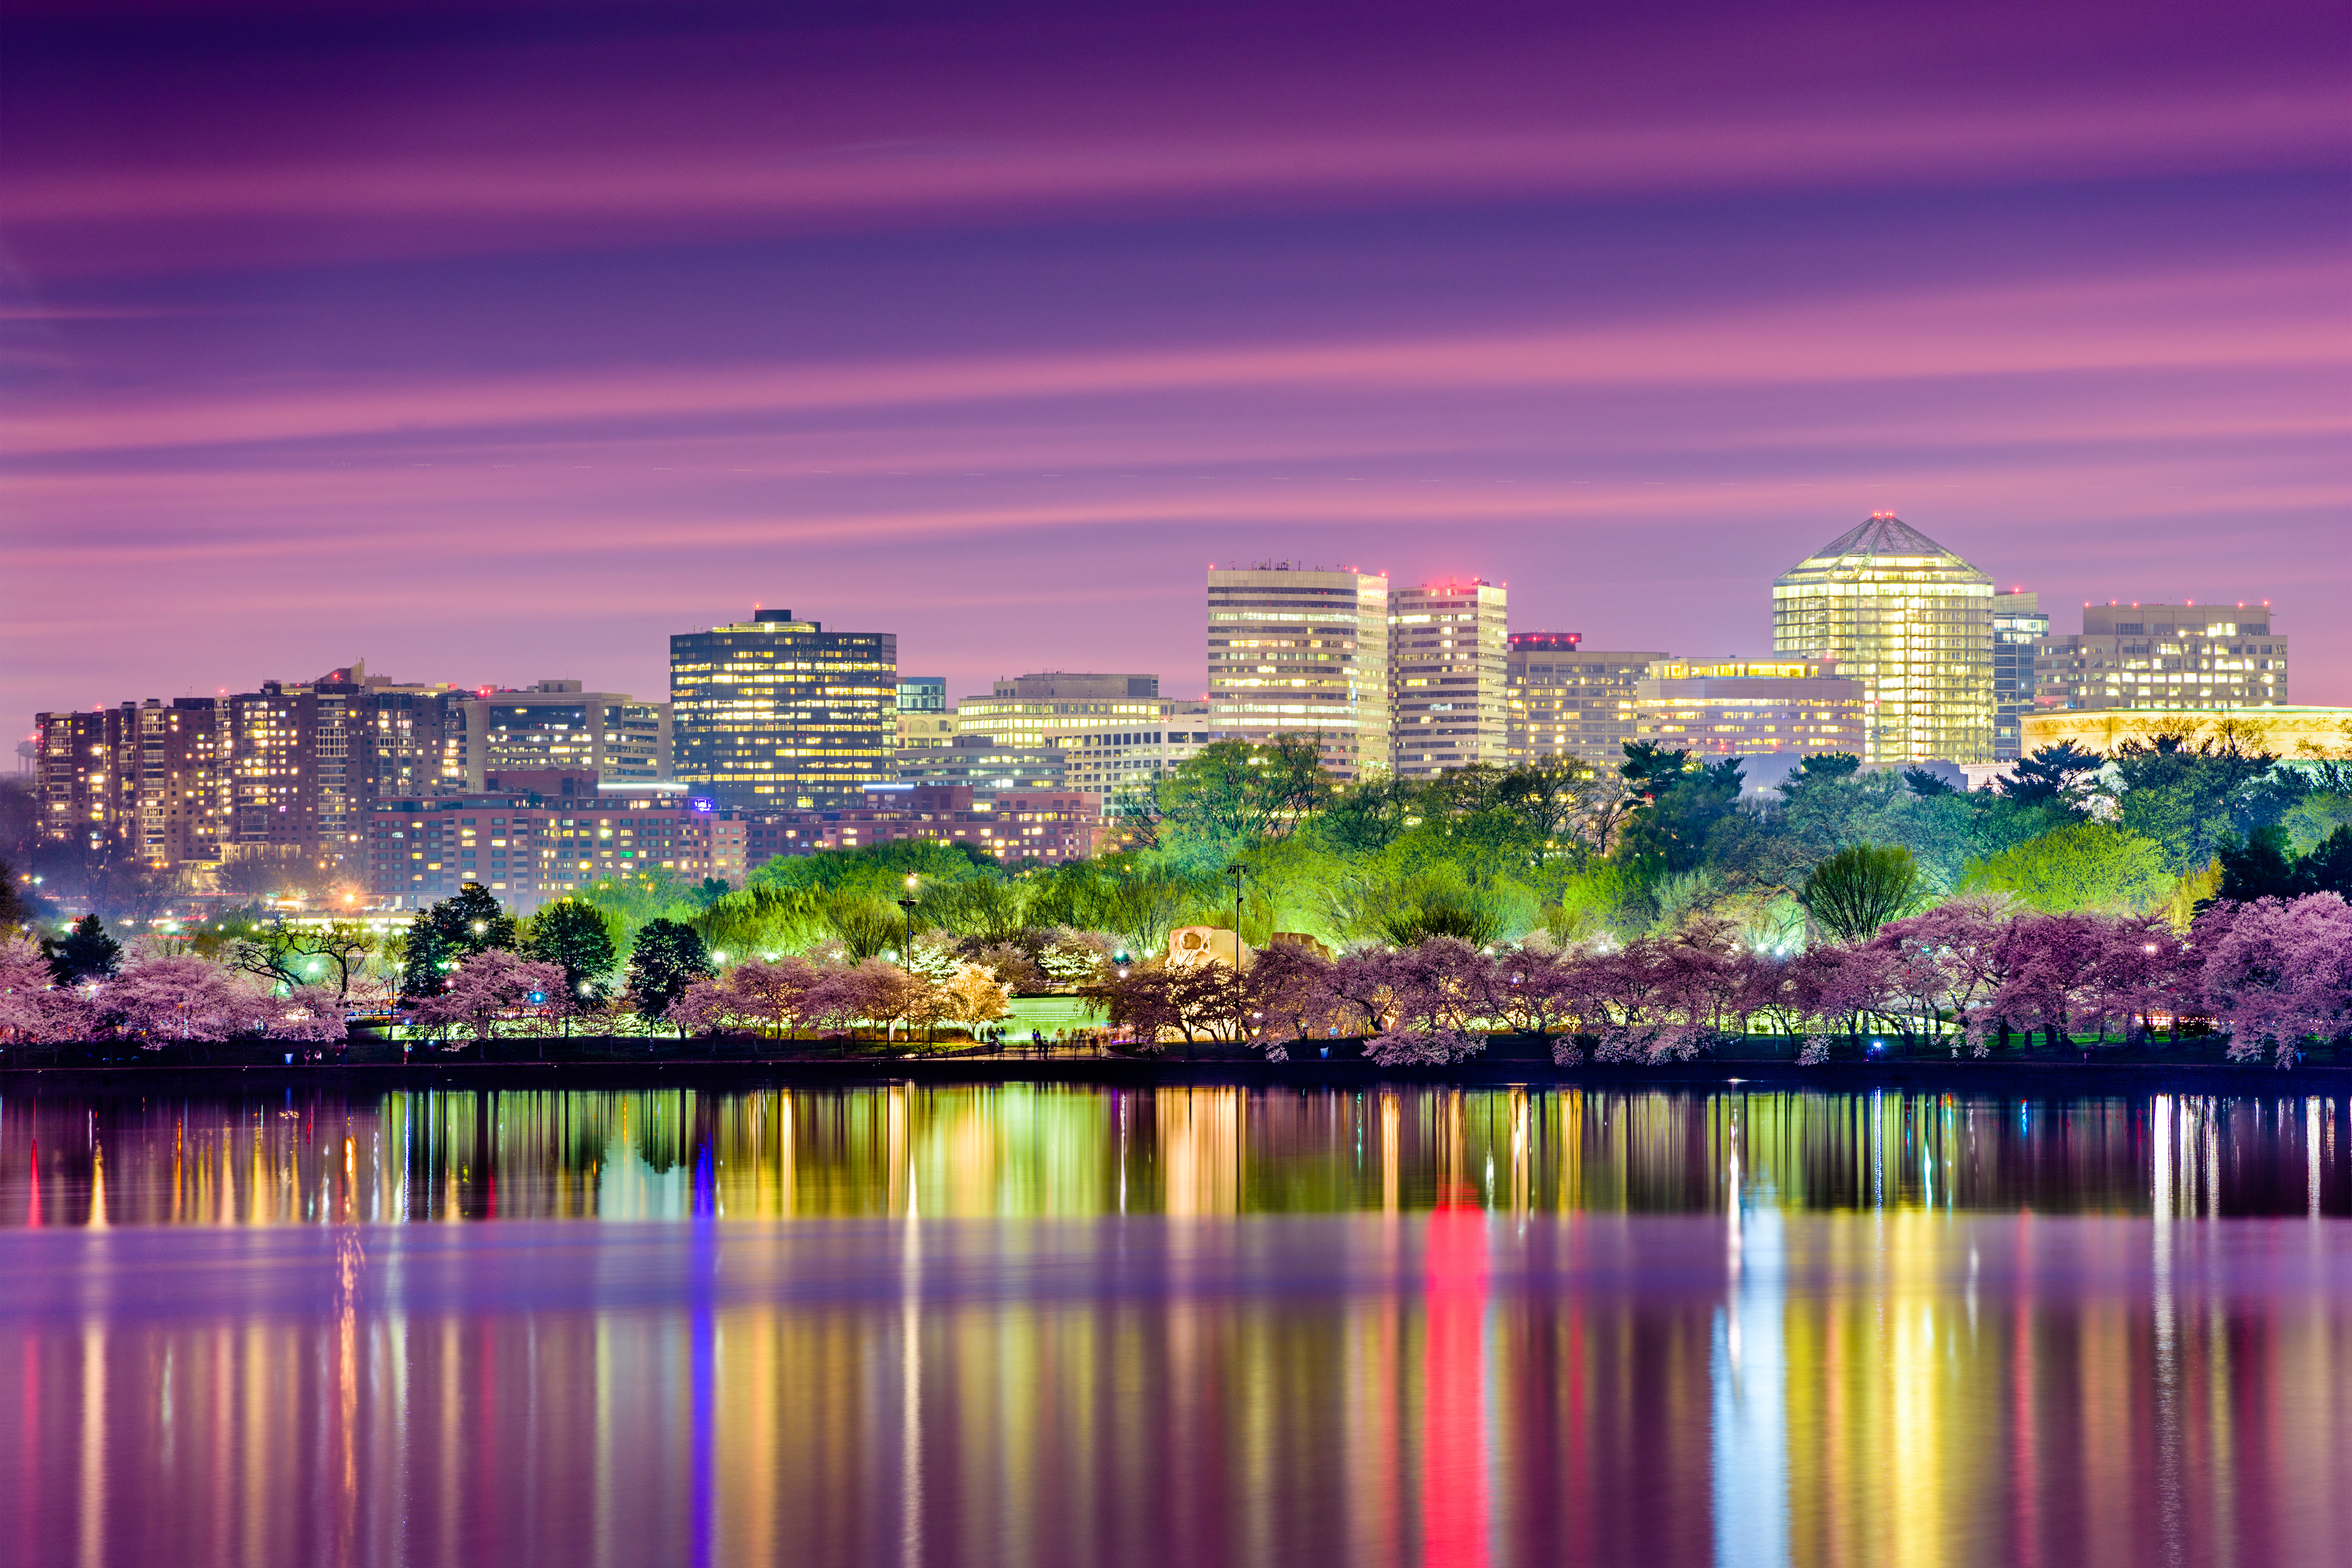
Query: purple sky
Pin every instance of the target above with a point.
(490, 343)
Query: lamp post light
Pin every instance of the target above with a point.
(907, 954)
(1241, 1022)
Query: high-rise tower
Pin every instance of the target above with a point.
(1302, 652)
(1449, 701)
(1890, 607)
(780, 712)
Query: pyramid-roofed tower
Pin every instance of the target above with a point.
(1912, 622)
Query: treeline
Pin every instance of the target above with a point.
(1975, 974)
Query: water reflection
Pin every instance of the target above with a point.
(1012, 1325)
(1054, 1151)
(1462, 1387)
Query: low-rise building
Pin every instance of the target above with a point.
(528, 846)
(2185, 657)
(1114, 731)
(2309, 733)
(986, 770)
(1567, 699)
(1745, 708)
(1047, 826)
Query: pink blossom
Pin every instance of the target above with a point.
(185, 998)
(2275, 973)
(488, 986)
(33, 1007)
(311, 1013)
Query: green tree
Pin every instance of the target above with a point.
(2082, 865)
(2047, 777)
(574, 936)
(450, 931)
(1668, 832)
(1852, 893)
(2193, 799)
(877, 870)
(426, 958)
(2264, 867)
(1231, 791)
(15, 912)
(2328, 868)
(640, 896)
(474, 922)
(1371, 814)
(84, 952)
(668, 957)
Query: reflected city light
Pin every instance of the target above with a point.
(1068, 1325)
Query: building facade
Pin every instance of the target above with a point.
(1300, 651)
(2293, 733)
(282, 771)
(1449, 652)
(1569, 701)
(1049, 709)
(556, 724)
(986, 770)
(922, 694)
(2185, 656)
(1737, 708)
(1890, 607)
(2019, 628)
(1114, 731)
(1047, 826)
(919, 730)
(780, 712)
(528, 847)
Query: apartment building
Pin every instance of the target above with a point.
(1749, 708)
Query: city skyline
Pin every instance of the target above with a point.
(1713, 645)
(998, 330)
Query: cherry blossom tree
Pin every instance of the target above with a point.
(974, 998)
(1363, 987)
(2144, 968)
(34, 1009)
(1532, 988)
(2049, 963)
(185, 998)
(488, 986)
(1438, 987)
(2276, 972)
(1949, 962)
(1290, 986)
(313, 1013)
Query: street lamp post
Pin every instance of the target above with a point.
(1241, 1022)
(907, 954)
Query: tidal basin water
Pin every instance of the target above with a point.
(1185, 1326)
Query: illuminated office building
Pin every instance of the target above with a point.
(1748, 708)
(2018, 626)
(2217, 654)
(1448, 657)
(780, 712)
(1305, 652)
(1888, 607)
(1569, 701)
(557, 725)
